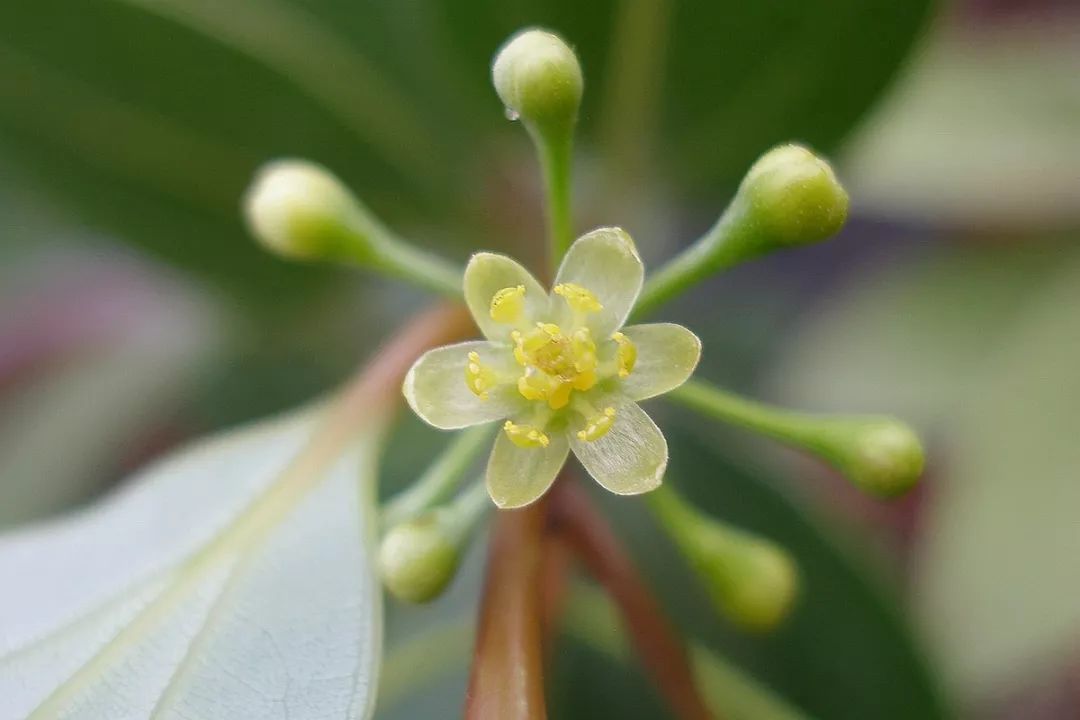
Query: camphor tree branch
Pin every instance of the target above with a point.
(661, 652)
(506, 682)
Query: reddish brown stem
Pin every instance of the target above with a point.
(555, 566)
(661, 652)
(507, 673)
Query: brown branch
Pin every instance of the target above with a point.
(379, 381)
(506, 682)
(663, 655)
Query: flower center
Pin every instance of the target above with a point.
(555, 361)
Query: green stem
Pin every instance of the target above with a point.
(795, 428)
(380, 248)
(722, 246)
(439, 480)
(556, 157)
(672, 511)
(469, 508)
(880, 454)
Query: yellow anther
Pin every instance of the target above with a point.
(584, 350)
(585, 380)
(552, 330)
(526, 436)
(533, 386)
(508, 304)
(559, 396)
(627, 356)
(479, 377)
(578, 298)
(597, 427)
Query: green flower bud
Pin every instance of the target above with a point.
(751, 581)
(789, 197)
(538, 78)
(419, 558)
(881, 455)
(794, 197)
(300, 210)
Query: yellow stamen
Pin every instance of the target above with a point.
(578, 298)
(584, 350)
(627, 356)
(598, 426)
(533, 386)
(508, 304)
(479, 377)
(526, 436)
(560, 396)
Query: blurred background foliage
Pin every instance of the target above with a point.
(135, 313)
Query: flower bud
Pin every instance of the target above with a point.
(300, 210)
(751, 581)
(538, 78)
(419, 558)
(789, 197)
(881, 455)
(794, 197)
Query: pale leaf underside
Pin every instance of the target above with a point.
(230, 581)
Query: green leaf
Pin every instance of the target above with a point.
(998, 576)
(945, 149)
(233, 580)
(149, 117)
(978, 344)
(846, 651)
(908, 336)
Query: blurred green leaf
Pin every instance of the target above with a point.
(907, 335)
(983, 132)
(997, 571)
(151, 116)
(977, 344)
(846, 652)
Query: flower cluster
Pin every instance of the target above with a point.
(560, 370)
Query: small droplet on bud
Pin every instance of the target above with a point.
(538, 79)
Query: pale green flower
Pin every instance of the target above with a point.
(560, 370)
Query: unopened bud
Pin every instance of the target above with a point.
(882, 455)
(794, 196)
(751, 581)
(300, 210)
(789, 197)
(419, 558)
(538, 78)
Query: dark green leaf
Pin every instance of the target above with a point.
(149, 117)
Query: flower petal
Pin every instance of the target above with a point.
(517, 476)
(606, 263)
(435, 387)
(487, 274)
(631, 458)
(666, 357)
